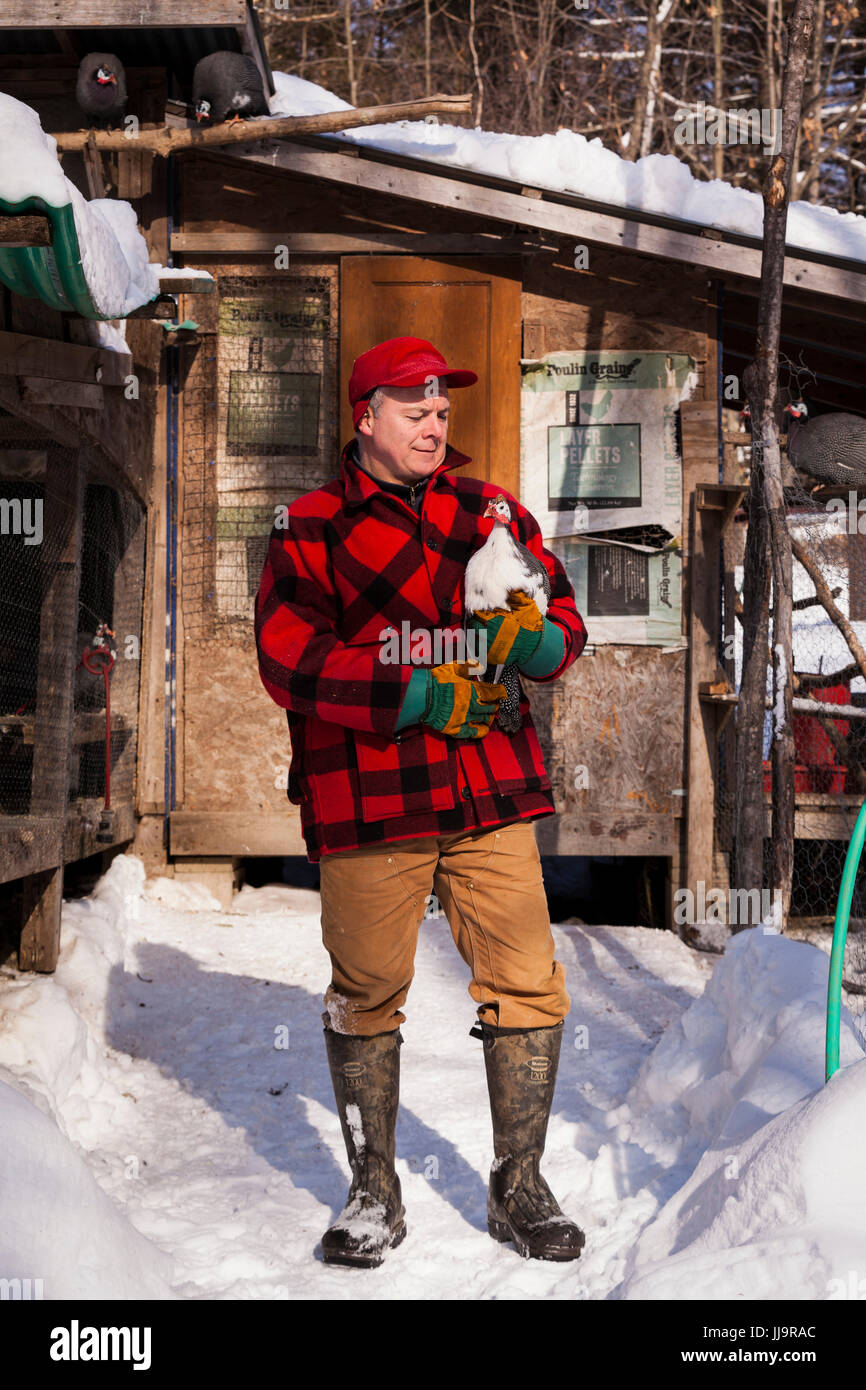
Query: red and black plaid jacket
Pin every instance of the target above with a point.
(353, 560)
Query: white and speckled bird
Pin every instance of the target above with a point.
(499, 566)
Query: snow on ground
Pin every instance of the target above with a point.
(177, 1060)
(569, 163)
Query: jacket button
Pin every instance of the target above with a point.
(465, 793)
(432, 545)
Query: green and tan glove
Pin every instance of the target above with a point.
(458, 705)
(512, 638)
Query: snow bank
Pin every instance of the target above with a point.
(114, 255)
(56, 1223)
(569, 163)
(775, 1205)
(57, 1226)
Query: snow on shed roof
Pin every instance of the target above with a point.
(569, 163)
(111, 254)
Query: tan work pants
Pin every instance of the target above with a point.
(490, 888)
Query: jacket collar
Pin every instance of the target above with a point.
(358, 486)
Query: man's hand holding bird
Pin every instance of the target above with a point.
(457, 704)
(512, 637)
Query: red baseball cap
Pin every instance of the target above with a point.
(399, 362)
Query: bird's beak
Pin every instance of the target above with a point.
(202, 116)
(106, 78)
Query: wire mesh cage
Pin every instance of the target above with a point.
(829, 690)
(259, 430)
(71, 582)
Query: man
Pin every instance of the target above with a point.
(407, 787)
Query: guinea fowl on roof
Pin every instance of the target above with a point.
(228, 86)
(101, 88)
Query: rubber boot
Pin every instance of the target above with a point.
(366, 1077)
(521, 1068)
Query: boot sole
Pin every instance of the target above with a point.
(501, 1231)
(362, 1261)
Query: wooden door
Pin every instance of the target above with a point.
(467, 308)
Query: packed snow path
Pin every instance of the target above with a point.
(179, 1048)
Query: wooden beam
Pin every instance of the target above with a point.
(25, 231)
(185, 284)
(163, 308)
(43, 391)
(21, 355)
(334, 244)
(549, 214)
(120, 14)
(262, 833)
(177, 141)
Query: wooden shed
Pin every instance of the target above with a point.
(321, 247)
(334, 247)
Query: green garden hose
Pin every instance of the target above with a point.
(840, 932)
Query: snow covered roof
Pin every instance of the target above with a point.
(99, 263)
(569, 163)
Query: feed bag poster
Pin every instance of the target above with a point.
(600, 453)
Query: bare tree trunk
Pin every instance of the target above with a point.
(770, 48)
(762, 385)
(350, 54)
(426, 48)
(813, 129)
(718, 84)
(748, 869)
(475, 67)
(641, 129)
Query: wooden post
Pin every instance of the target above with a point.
(63, 509)
(41, 901)
(702, 596)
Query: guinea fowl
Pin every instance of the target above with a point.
(101, 88)
(228, 86)
(830, 447)
(499, 566)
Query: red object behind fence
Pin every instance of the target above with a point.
(817, 768)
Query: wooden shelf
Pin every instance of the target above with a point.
(88, 726)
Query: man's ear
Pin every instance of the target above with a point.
(365, 424)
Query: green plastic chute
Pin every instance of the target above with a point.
(840, 933)
(53, 273)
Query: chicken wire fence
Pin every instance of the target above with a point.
(71, 580)
(829, 623)
(259, 429)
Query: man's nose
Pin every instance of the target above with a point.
(436, 427)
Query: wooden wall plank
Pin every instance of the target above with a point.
(109, 14)
(230, 833)
(21, 355)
